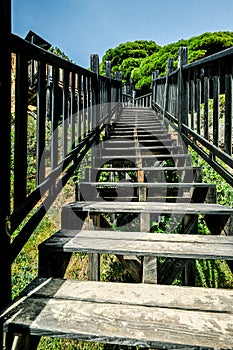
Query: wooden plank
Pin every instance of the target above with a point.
(147, 236)
(162, 208)
(140, 129)
(141, 243)
(147, 315)
(146, 168)
(156, 157)
(150, 184)
(143, 148)
(127, 143)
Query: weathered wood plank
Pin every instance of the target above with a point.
(157, 156)
(125, 169)
(142, 243)
(162, 208)
(129, 314)
(149, 184)
(141, 236)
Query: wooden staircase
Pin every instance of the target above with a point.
(141, 176)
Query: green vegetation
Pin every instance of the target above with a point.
(137, 60)
(214, 273)
(56, 51)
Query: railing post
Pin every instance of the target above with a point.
(118, 76)
(166, 91)
(182, 96)
(155, 76)
(133, 97)
(5, 149)
(108, 75)
(94, 64)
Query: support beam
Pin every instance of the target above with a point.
(5, 152)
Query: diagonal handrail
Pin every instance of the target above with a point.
(73, 105)
(199, 105)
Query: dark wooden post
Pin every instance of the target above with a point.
(109, 92)
(5, 150)
(94, 64)
(108, 69)
(166, 91)
(155, 75)
(182, 97)
(228, 113)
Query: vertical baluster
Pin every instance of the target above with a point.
(21, 105)
(192, 103)
(94, 63)
(84, 111)
(65, 119)
(41, 120)
(228, 113)
(55, 118)
(73, 110)
(216, 92)
(182, 97)
(79, 107)
(206, 107)
(89, 110)
(198, 106)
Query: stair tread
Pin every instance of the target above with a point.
(157, 156)
(172, 168)
(142, 148)
(112, 140)
(131, 314)
(141, 243)
(150, 184)
(158, 207)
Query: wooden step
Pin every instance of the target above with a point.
(131, 143)
(145, 315)
(217, 217)
(181, 159)
(140, 135)
(159, 136)
(183, 185)
(121, 126)
(138, 129)
(156, 173)
(150, 170)
(144, 207)
(154, 191)
(142, 150)
(139, 243)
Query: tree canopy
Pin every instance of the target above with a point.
(137, 60)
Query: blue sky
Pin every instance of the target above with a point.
(82, 27)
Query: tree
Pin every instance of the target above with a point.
(56, 51)
(137, 60)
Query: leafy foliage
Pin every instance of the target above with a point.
(56, 51)
(137, 60)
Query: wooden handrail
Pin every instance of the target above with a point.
(72, 106)
(193, 96)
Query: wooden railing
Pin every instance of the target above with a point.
(137, 102)
(197, 99)
(71, 109)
